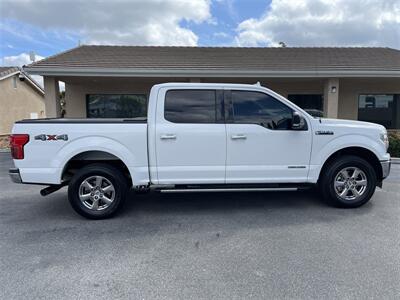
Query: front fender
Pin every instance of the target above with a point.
(322, 152)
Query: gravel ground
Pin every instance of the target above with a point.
(279, 245)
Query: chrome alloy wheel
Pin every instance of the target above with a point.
(96, 192)
(350, 183)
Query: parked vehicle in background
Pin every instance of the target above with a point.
(201, 137)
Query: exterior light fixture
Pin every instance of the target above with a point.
(333, 89)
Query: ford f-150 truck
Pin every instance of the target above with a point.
(201, 137)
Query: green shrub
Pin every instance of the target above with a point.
(394, 144)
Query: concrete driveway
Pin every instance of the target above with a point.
(199, 246)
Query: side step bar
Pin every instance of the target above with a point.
(226, 190)
(170, 188)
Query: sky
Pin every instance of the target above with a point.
(47, 27)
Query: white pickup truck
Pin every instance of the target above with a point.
(201, 137)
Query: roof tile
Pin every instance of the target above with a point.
(225, 58)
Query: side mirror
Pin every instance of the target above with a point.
(298, 122)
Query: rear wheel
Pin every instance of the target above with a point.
(349, 181)
(97, 191)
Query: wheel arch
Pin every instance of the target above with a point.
(87, 157)
(361, 152)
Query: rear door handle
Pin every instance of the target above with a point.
(238, 137)
(168, 137)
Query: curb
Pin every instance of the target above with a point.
(395, 160)
(4, 150)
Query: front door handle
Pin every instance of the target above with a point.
(168, 137)
(238, 137)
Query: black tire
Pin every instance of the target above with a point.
(118, 193)
(330, 173)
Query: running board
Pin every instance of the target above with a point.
(236, 187)
(207, 190)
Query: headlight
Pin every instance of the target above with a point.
(385, 139)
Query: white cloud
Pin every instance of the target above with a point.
(138, 22)
(19, 60)
(324, 23)
(220, 34)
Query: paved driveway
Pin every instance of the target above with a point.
(191, 246)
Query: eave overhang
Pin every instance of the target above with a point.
(203, 73)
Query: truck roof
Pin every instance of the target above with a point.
(206, 84)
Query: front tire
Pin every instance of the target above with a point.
(97, 191)
(348, 182)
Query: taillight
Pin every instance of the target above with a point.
(17, 143)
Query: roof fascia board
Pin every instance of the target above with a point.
(9, 75)
(33, 83)
(116, 72)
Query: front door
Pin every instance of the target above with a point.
(261, 146)
(190, 137)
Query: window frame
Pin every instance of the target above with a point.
(229, 112)
(219, 105)
(114, 94)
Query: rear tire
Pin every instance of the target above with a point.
(97, 191)
(348, 182)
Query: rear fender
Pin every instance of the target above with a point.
(94, 143)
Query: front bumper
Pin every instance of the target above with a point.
(385, 168)
(14, 175)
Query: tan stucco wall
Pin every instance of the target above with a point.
(350, 89)
(77, 89)
(17, 104)
(75, 92)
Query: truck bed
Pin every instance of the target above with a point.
(53, 142)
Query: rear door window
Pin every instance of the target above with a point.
(190, 106)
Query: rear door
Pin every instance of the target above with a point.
(261, 146)
(190, 136)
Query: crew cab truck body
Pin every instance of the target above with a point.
(200, 136)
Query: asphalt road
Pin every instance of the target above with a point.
(275, 245)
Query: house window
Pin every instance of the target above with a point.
(311, 103)
(381, 109)
(14, 82)
(116, 106)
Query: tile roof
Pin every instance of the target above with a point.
(4, 71)
(222, 58)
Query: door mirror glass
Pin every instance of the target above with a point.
(298, 122)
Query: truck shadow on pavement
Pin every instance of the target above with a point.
(155, 212)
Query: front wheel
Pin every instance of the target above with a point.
(97, 191)
(349, 181)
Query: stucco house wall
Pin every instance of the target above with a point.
(18, 103)
(348, 89)
(76, 91)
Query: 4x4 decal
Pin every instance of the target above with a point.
(51, 137)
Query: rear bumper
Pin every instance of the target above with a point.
(385, 168)
(15, 175)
